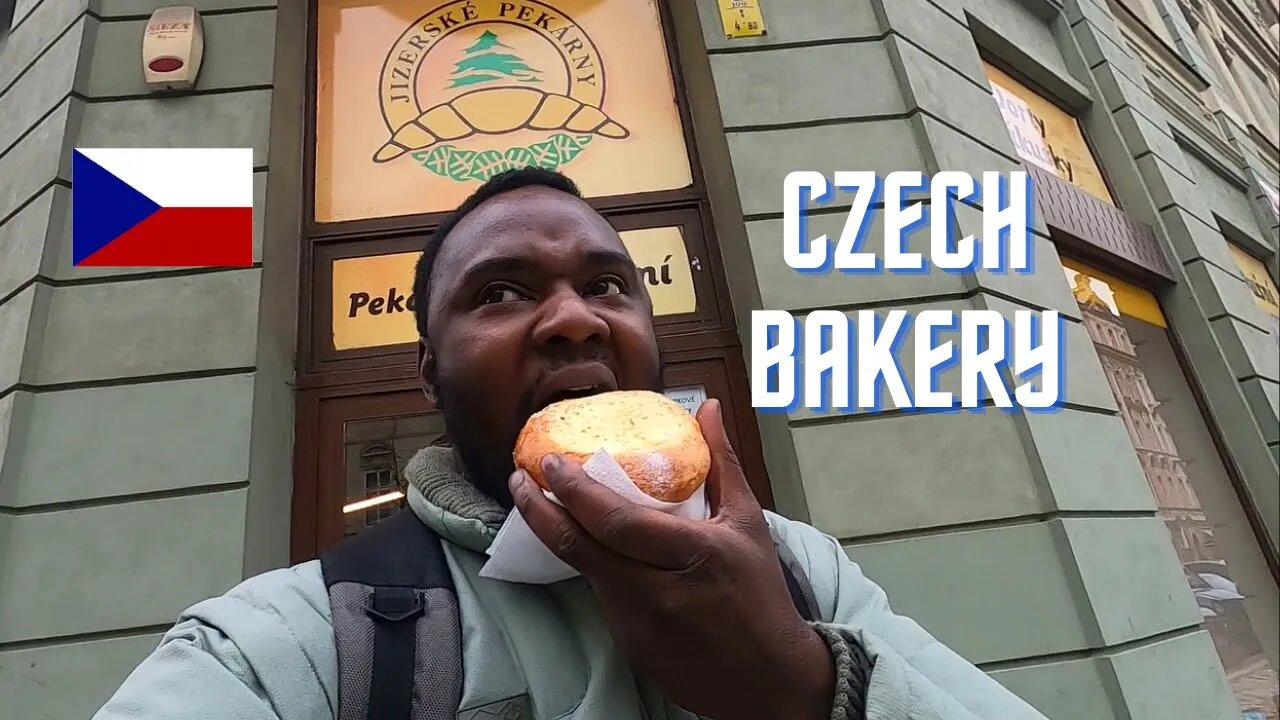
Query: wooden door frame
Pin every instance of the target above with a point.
(369, 383)
(311, 370)
(319, 463)
(323, 413)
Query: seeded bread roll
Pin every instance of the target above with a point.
(655, 440)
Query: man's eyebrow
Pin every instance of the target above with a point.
(497, 265)
(608, 257)
(513, 264)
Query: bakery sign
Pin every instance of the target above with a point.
(373, 299)
(420, 101)
(1258, 280)
(1045, 135)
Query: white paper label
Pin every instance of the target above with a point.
(690, 398)
(517, 555)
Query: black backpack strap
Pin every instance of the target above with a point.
(797, 583)
(395, 622)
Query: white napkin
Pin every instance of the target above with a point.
(517, 555)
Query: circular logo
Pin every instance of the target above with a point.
(516, 69)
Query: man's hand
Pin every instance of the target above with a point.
(700, 609)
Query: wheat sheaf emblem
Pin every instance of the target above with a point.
(498, 92)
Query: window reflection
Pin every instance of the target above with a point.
(1192, 491)
(376, 454)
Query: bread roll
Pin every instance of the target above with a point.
(655, 440)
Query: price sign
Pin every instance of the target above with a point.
(742, 18)
(690, 397)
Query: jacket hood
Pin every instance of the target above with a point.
(442, 497)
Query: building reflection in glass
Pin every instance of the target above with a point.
(1221, 602)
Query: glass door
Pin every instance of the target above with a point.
(364, 444)
(1225, 569)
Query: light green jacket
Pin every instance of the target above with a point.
(265, 651)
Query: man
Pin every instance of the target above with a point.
(527, 295)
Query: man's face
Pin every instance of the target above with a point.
(534, 299)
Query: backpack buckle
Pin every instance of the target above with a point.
(395, 604)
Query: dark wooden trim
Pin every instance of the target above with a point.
(714, 310)
(322, 352)
(426, 223)
(399, 369)
(402, 375)
(718, 372)
(335, 413)
(334, 387)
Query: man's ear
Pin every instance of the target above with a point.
(427, 370)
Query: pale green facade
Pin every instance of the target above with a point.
(146, 419)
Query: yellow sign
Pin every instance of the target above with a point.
(664, 267)
(373, 301)
(742, 18)
(1045, 135)
(1258, 279)
(1096, 290)
(418, 103)
(373, 298)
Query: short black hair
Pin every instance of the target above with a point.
(503, 182)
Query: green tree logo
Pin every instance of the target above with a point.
(485, 62)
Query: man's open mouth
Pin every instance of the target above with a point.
(574, 381)
(578, 392)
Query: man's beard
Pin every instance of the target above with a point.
(485, 451)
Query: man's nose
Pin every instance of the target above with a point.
(568, 317)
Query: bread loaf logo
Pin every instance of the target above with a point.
(521, 66)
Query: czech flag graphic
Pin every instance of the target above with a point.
(162, 207)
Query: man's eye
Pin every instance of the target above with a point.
(500, 294)
(605, 286)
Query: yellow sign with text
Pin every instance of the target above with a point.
(373, 298)
(1047, 136)
(742, 18)
(1098, 290)
(1258, 279)
(418, 102)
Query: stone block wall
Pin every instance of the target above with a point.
(144, 415)
(1225, 335)
(1027, 542)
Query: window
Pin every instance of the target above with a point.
(379, 493)
(419, 102)
(1245, 93)
(1260, 96)
(1149, 15)
(1227, 575)
(415, 104)
(373, 302)
(411, 105)
(1045, 135)
(6, 16)
(1261, 286)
